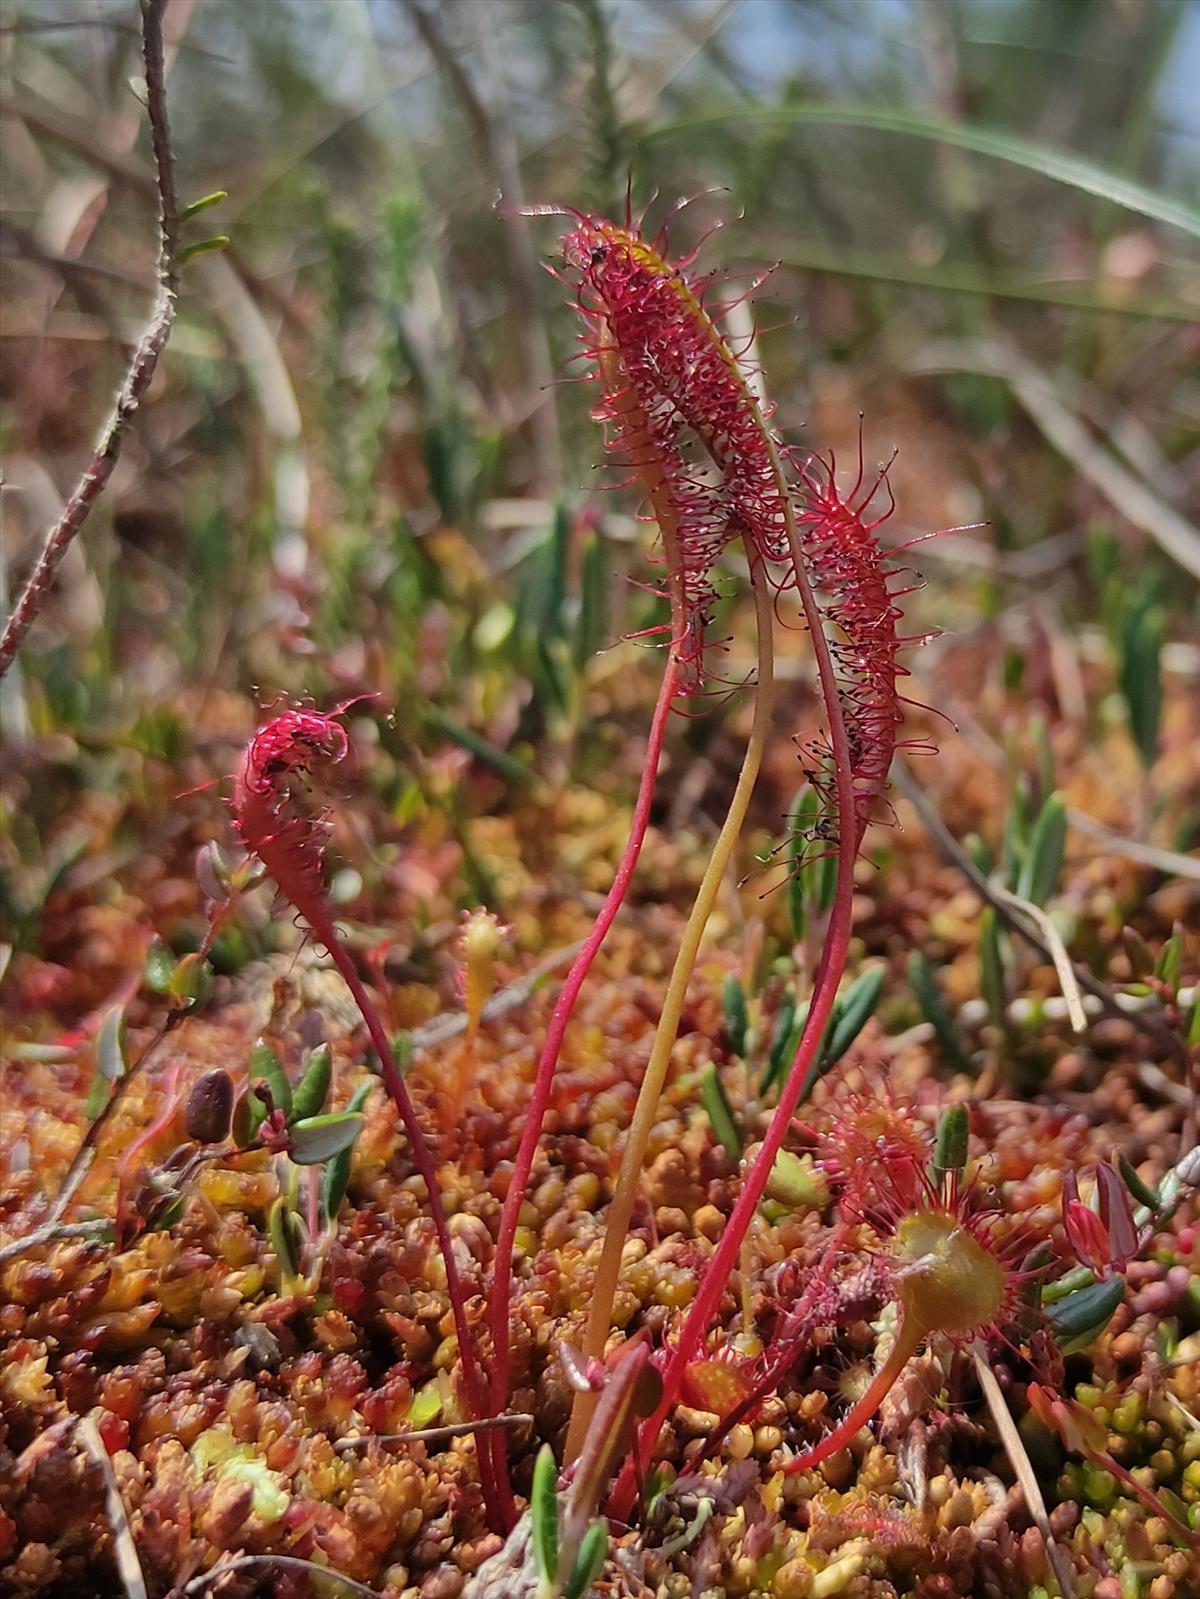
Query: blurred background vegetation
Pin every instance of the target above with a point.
(360, 470)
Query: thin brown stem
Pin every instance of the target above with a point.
(953, 852)
(142, 366)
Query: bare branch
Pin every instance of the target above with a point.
(326, 1574)
(434, 1435)
(142, 366)
(124, 1548)
(1151, 1021)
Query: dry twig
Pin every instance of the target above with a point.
(142, 365)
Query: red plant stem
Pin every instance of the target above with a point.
(833, 960)
(142, 364)
(501, 1291)
(423, 1161)
(907, 1342)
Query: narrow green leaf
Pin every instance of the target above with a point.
(1169, 966)
(1142, 639)
(952, 1143)
(592, 627)
(265, 1067)
(478, 746)
(312, 1090)
(855, 1010)
(1042, 871)
(1140, 1190)
(283, 1234)
(319, 1138)
(992, 981)
(777, 1056)
(737, 1021)
(933, 1008)
(189, 252)
(720, 1113)
(1044, 756)
(1062, 166)
(543, 1515)
(593, 1552)
(194, 207)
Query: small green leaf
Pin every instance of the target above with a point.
(194, 207)
(312, 1090)
(1042, 870)
(192, 981)
(1080, 1317)
(1142, 639)
(952, 1143)
(933, 1008)
(795, 1182)
(335, 1179)
(720, 1113)
(854, 1012)
(593, 1552)
(426, 1405)
(248, 1116)
(319, 1138)
(992, 981)
(265, 1067)
(110, 1046)
(737, 1022)
(160, 967)
(979, 852)
(220, 241)
(284, 1236)
(1141, 1191)
(543, 1515)
(1169, 965)
(778, 1055)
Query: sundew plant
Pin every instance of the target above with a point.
(574, 1027)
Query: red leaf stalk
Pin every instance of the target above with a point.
(273, 824)
(832, 548)
(535, 1114)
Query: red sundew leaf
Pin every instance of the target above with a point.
(1116, 1212)
(1088, 1236)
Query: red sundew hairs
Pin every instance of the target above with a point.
(667, 374)
(848, 566)
(272, 821)
(666, 369)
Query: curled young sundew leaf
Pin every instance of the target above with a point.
(271, 817)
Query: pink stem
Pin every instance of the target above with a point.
(423, 1161)
(829, 974)
(501, 1293)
